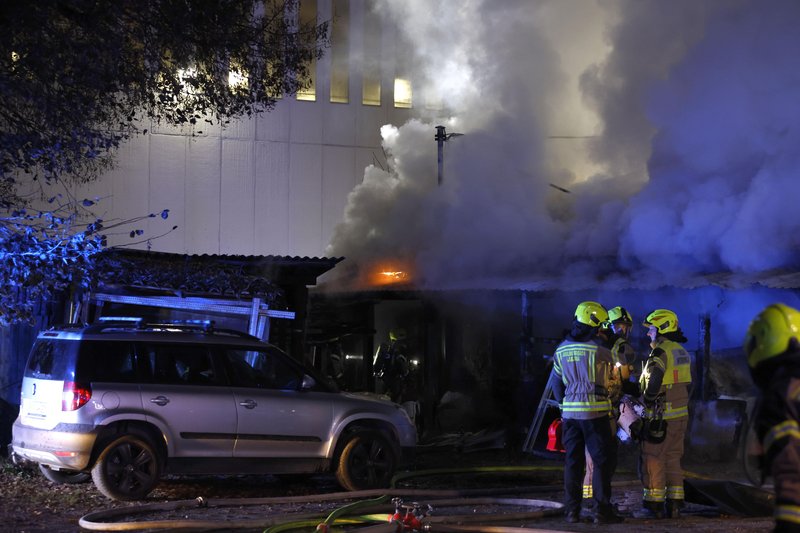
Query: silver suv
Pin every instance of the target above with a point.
(126, 402)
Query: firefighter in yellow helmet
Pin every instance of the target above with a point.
(772, 347)
(665, 383)
(618, 330)
(583, 365)
(390, 366)
(615, 332)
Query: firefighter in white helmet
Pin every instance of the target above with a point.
(772, 347)
(583, 366)
(665, 383)
(615, 332)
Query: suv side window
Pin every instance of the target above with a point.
(180, 364)
(262, 369)
(106, 361)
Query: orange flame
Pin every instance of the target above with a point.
(389, 273)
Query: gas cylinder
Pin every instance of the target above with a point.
(554, 443)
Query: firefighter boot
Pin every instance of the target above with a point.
(673, 508)
(650, 510)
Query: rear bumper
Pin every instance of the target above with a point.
(65, 446)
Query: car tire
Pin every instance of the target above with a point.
(70, 477)
(368, 461)
(127, 469)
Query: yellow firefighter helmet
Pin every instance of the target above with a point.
(664, 320)
(770, 333)
(591, 313)
(619, 314)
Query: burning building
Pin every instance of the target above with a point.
(637, 153)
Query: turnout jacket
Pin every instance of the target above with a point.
(582, 370)
(778, 428)
(623, 356)
(667, 373)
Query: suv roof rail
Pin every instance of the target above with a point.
(131, 320)
(207, 326)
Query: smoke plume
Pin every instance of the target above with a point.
(635, 143)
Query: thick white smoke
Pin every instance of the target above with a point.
(691, 113)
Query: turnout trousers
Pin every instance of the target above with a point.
(592, 436)
(660, 464)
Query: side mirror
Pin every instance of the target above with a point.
(308, 382)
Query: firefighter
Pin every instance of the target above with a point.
(772, 347)
(583, 365)
(618, 329)
(390, 366)
(664, 382)
(615, 333)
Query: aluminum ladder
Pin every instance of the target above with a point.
(546, 401)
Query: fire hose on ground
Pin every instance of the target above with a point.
(359, 512)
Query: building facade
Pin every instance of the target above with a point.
(276, 183)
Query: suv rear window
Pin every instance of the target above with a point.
(51, 359)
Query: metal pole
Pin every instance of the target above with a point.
(703, 363)
(441, 137)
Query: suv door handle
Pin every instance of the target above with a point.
(248, 404)
(160, 400)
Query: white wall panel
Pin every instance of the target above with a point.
(305, 200)
(338, 124)
(204, 128)
(369, 120)
(243, 128)
(275, 125)
(272, 198)
(237, 198)
(167, 185)
(306, 123)
(203, 186)
(130, 186)
(171, 129)
(338, 178)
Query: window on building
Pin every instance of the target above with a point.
(340, 52)
(308, 15)
(402, 74)
(402, 93)
(371, 70)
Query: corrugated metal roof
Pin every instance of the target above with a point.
(229, 275)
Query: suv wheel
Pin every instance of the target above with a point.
(64, 476)
(367, 462)
(127, 468)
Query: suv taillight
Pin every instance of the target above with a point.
(75, 395)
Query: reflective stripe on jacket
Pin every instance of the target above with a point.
(584, 369)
